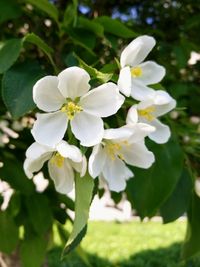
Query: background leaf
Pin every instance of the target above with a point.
(17, 86)
(9, 52)
(9, 9)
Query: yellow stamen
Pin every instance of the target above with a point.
(113, 149)
(136, 72)
(147, 113)
(57, 159)
(71, 109)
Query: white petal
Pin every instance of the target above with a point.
(96, 161)
(164, 103)
(102, 101)
(139, 131)
(73, 82)
(132, 115)
(49, 129)
(32, 165)
(69, 151)
(36, 150)
(63, 177)
(116, 173)
(125, 81)
(137, 51)
(87, 128)
(151, 73)
(140, 91)
(46, 94)
(122, 133)
(81, 166)
(138, 155)
(162, 133)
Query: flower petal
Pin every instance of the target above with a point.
(73, 82)
(87, 128)
(102, 101)
(139, 131)
(132, 115)
(46, 94)
(137, 51)
(151, 73)
(63, 177)
(138, 155)
(37, 150)
(49, 129)
(116, 173)
(140, 91)
(162, 133)
(122, 133)
(96, 161)
(32, 165)
(164, 103)
(81, 166)
(69, 151)
(125, 81)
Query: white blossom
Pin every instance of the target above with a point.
(67, 98)
(136, 75)
(147, 111)
(120, 146)
(63, 160)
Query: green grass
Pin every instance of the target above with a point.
(112, 244)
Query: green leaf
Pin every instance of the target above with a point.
(8, 233)
(39, 212)
(9, 52)
(92, 26)
(84, 192)
(36, 40)
(115, 27)
(178, 202)
(94, 73)
(46, 7)
(32, 251)
(70, 15)
(17, 87)
(192, 239)
(9, 9)
(13, 173)
(150, 188)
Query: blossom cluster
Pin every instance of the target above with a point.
(74, 112)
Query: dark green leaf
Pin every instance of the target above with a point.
(46, 7)
(115, 27)
(148, 190)
(92, 26)
(32, 251)
(70, 15)
(84, 192)
(192, 239)
(178, 202)
(13, 173)
(17, 87)
(9, 9)
(39, 211)
(9, 52)
(8, 233)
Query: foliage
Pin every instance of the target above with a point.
(42, 38)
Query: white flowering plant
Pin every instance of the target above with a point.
(83, 112)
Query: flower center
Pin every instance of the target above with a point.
(136, 72)
(113, 149)
(147, 113)
(57, 159)
(71, 109)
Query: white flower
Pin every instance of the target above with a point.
(125, 144)
(149, 110)
(136, 75)
(63, 160)
(66, 98)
